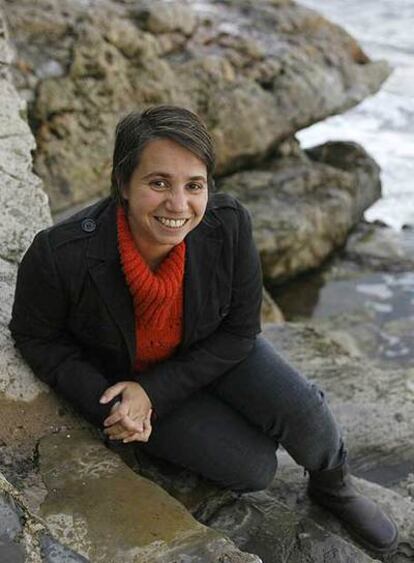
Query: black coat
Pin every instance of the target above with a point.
(73, 317)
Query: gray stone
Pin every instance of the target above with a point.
(373, 406)
(303, 209)
(260, 523)
(23, 204)
(378, 247)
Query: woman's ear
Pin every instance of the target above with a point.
(123, 190)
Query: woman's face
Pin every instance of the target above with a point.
(167, 196)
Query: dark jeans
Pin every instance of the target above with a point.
(229, 431)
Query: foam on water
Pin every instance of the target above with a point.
(383, 124)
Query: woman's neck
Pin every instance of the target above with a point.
(152, 255)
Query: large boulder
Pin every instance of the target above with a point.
(275, 65)
(303, 205)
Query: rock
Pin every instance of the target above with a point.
(302, 210)
(98, 507)
(260, 523)
(270, 311)
(377, 247)
(161, 17)
(371, 404)
(362, 296)
(81, 67)
(352, 158)
(23, 204)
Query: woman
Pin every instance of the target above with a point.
(143, 310)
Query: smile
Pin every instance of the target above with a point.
(172, 223)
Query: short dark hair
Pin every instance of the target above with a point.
(137, 129)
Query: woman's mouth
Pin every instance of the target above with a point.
(172, 223)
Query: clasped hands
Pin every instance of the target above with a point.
(130, 418)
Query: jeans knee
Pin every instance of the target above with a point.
(260, 478)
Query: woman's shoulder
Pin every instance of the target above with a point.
(228, 210)
(67, 242)
(81, 224)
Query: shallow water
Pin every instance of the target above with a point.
(376, 308)
(384, 123)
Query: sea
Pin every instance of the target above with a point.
(384, 123)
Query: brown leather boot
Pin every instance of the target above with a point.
(334, 490)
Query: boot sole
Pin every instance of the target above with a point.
(365, 543)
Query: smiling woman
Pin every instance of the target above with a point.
(143, 310)
(165, 199)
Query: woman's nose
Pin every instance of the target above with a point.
(177, 200)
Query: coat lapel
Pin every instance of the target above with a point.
(203, 247)
(106, 271)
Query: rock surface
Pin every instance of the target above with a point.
(99, 507)
(276, 65)
(362, 296)
(303, 209)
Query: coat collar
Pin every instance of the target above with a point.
(203, 246)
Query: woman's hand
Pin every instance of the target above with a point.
(118, 431)
(133, 409)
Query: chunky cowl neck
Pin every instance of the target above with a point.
(157, 297)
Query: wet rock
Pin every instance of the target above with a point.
(363, 299)
(302, 209)
(352, 158)
(260, 523)
(276, 65)
(378, 247)
(23, 537)
(98, 507)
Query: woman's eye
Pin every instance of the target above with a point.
(158, 184)
(195, 187)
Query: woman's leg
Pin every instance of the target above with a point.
(290, 410)
(208, 436)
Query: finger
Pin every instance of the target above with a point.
(121, 435)
(115, 417)
(131, 438)
(141, 436)
(133, 425)
(112, 392)
(113, 430)
(117, 433)
(138, 437)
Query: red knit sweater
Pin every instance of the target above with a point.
(157, 297)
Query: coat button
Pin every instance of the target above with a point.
(88, 225)
(224, 309)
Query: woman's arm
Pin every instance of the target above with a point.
(38, 326)
(171, 381)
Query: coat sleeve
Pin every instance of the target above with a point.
(171, 381)
(38, 326)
